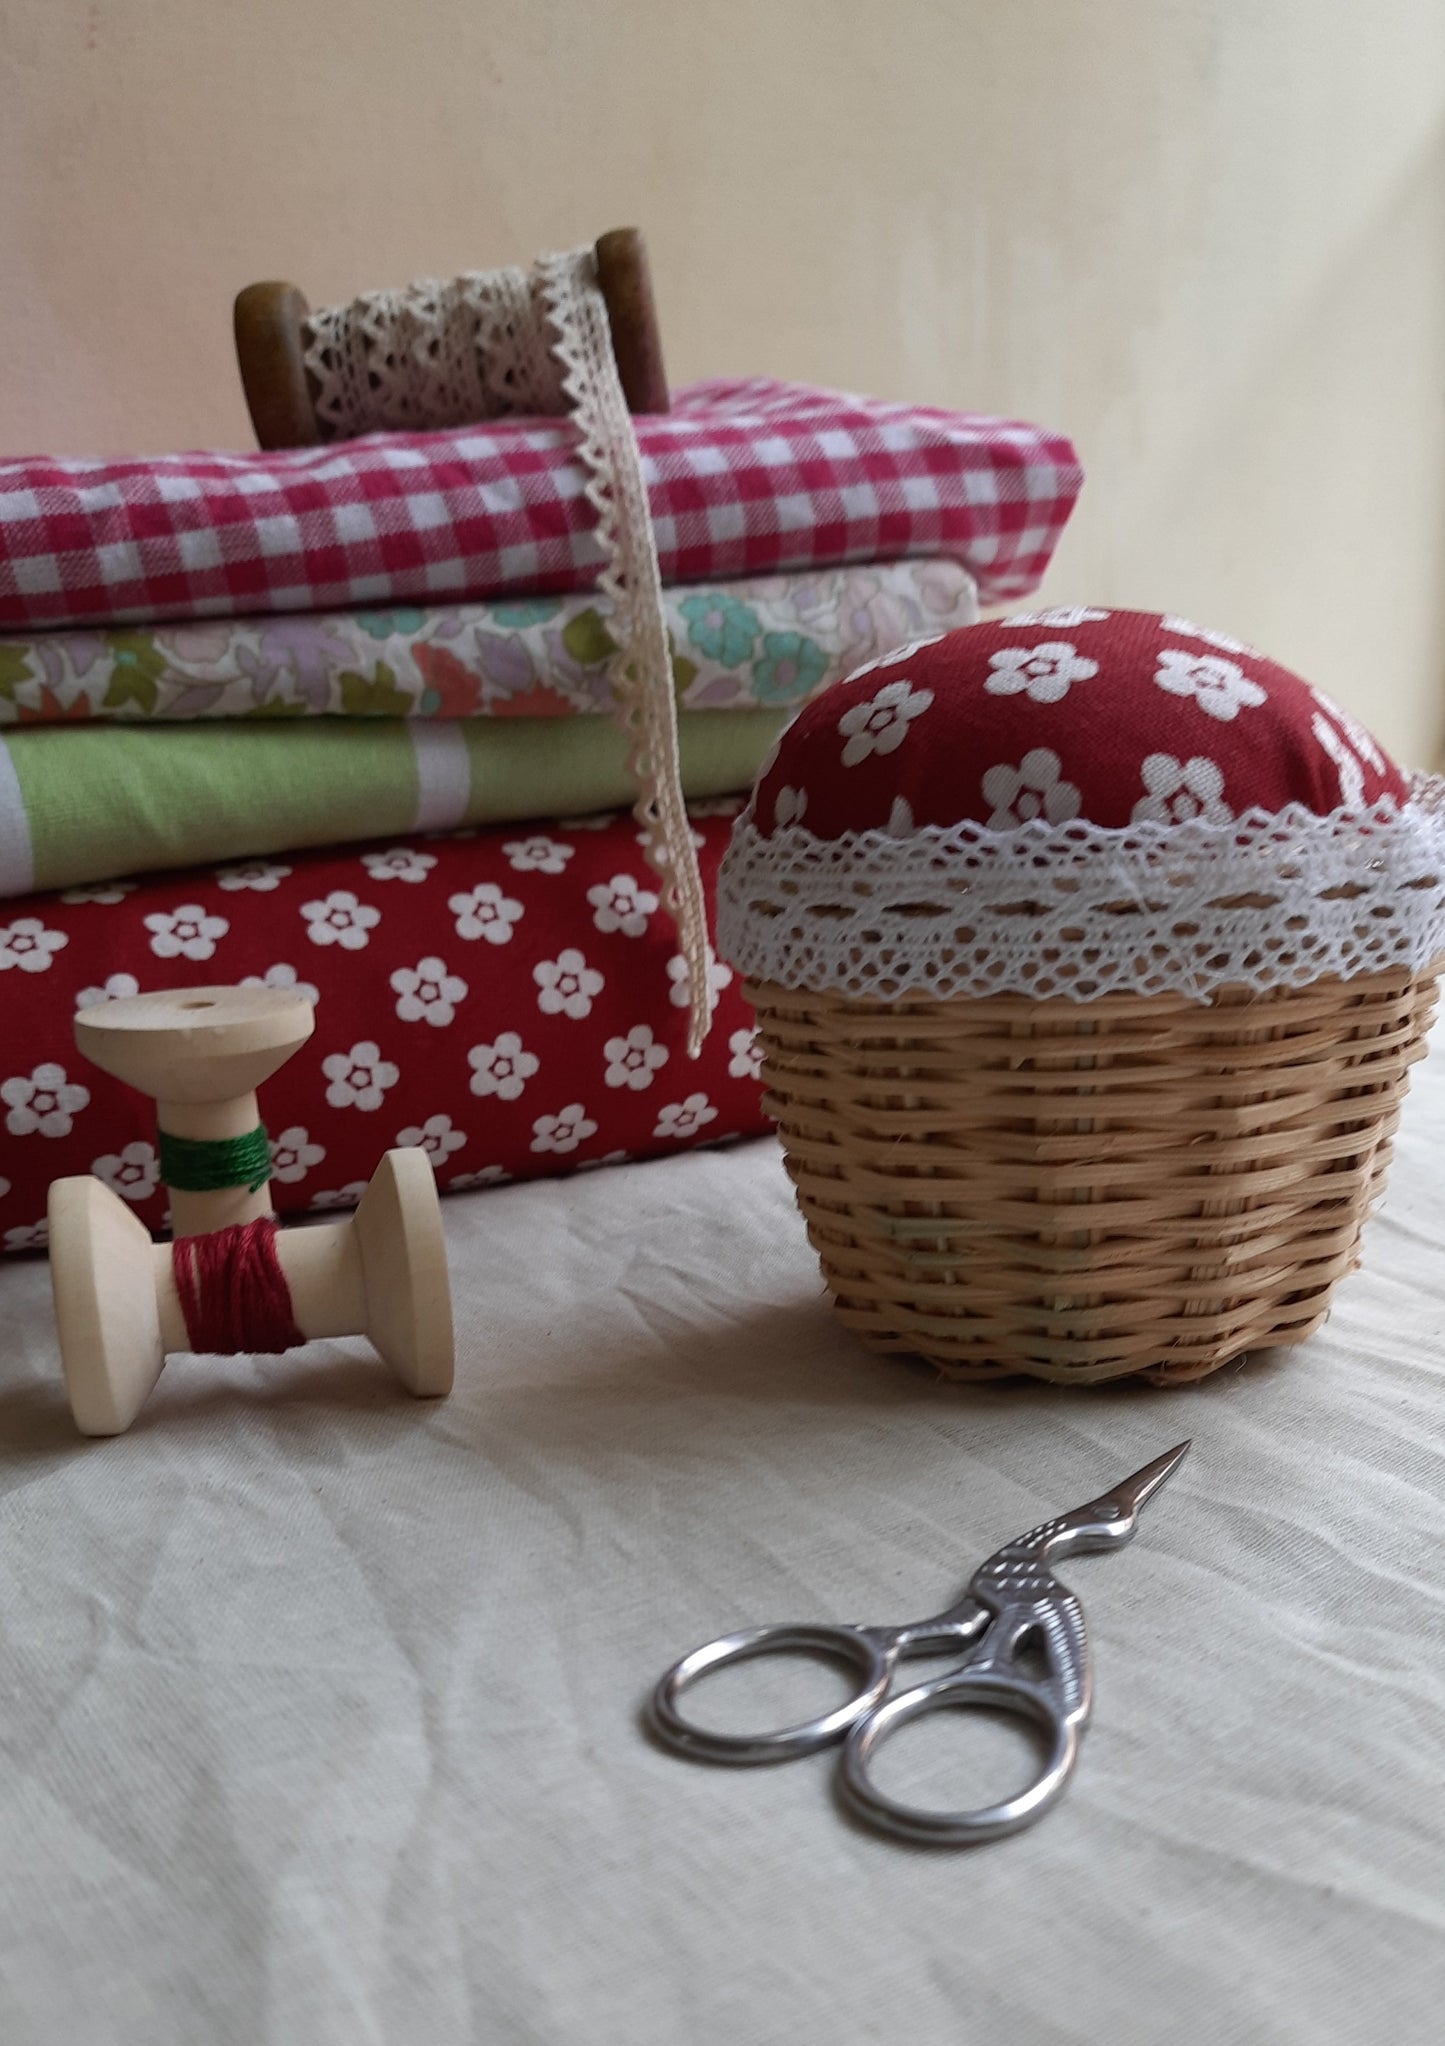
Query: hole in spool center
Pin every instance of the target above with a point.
(198, 1005)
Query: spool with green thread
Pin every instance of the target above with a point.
(214, 1164)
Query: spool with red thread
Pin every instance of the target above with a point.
(232, 1283)
(233, 1292)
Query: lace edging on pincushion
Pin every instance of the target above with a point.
(1272, 899)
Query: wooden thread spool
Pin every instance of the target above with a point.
(201, 1053)
(270, 327)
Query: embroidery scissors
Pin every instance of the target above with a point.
(1025, 1653)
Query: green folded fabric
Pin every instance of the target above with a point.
(85, 803)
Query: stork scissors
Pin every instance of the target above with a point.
(1026, 1654)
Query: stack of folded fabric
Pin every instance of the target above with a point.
(347, 711)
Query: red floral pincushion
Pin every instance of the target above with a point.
(1115, 717)
(1080, 802)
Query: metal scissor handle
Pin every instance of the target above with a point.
(872, 1651)
(965, 1687)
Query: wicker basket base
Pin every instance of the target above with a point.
(1079, 1191)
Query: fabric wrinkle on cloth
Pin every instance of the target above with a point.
(744, 477)
(322, 1707)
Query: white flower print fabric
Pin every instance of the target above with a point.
(101, 891)
(1178, 789)
(27, 945)
(503, 1068)
(896, 654)
(881, 724)
(1220, 687)
(1046, 672)
(789, 805)
(634, 1060)
(1066, 615)
(340, 919)
(538, 855)
(186, 932)
(564, 1132)
(359, 1078)
(485, 912)
(1185, 628)
(567, 985)
(621, 904)
(683, 1119)
(427, 993)
(262, 875)
(134, 1172)
(283, 975)
(746, 1060)
(1347, 760)
(508, 1019)
(1051, 716)
(116, 988)
(435, 1136)
(1033, 789)
(1360, 742)
(293, 1155)
(400, 863)
(42, 1103)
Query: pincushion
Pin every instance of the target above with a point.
(1090, 950)
(1079, 801)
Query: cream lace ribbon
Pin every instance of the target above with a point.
(495, 342)
(436, 353)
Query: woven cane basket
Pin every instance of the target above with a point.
(1076, 1191)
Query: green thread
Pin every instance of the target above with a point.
(207, 1164)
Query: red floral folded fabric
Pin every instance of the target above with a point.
(744, 477)
(510, 999)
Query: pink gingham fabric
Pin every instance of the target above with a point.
(745, 477)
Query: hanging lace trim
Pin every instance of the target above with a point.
(1275, 899)
(493, 342)
(641, 669)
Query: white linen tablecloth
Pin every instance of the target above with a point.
(319, 1707)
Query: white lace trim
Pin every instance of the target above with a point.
(492, 342)
(436, 353)
(641, 669)
(1273, 899)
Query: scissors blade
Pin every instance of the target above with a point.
(1133, 1492)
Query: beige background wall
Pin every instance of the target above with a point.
(1206, 236)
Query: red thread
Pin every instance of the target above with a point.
(233, 1292)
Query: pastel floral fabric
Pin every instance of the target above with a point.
(1111, 717)
(513, 1002)
(772, 640)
